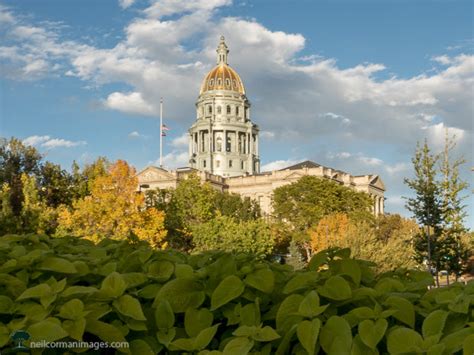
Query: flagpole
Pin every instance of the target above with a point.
(161, 132)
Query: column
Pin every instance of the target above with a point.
(191, 142)
(256, 144)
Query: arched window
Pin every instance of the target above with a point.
(227, 82)
(219, 144)
(219, 110)
(228, 109)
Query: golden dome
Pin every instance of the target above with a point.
(222, 77)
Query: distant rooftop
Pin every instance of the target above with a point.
(304, 164)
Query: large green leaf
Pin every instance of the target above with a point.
(196, 320)
(130, 307)
(78, 291)
(160, 270)
(238, 346)
(37, 291)
(73, 309)
(310, 307)
(227, 290)
(6, 305)
(262, 279)
(104, 331)
(75, 328)
(405, 310)
(403, 340)
(433, 325)
(372, 332)
(287, 314)
(48, 330)
(336, 336)
(58, 265)
(181, 294)
(336, 288)
(164, 316)
(307, 332)
(113, 286)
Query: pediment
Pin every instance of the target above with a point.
(293, 176)
(377, 182)
(151, 174)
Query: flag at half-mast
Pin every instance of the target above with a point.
(163, 129)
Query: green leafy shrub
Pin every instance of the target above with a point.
(216, 302)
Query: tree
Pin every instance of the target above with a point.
(82, 179)
(114, 210)
(304, 203)
(17, 159)
(330, 232)
(192, 204)
(388, 243)
(55, 185)
(426, 206)
(456, 253)
(228, 234)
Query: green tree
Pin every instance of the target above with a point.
(193, 203)
(228, 234)
(302, 204)
(456, 251)
(426, 205)
(17, 159)
(55, 185)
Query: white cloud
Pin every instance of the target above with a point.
(173, 160)
(181, 141)
(126, 3)
(58, 143)
(134, 134)
(267, 135)
(51, 143)
(279, 164)
(370, 160)
(35, 140)
(397, 168)
(132, 103)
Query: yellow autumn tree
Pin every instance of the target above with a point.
(114, 210)
(330, 231)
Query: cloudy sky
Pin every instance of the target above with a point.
(348, 84)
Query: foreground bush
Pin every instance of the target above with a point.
(212, 303)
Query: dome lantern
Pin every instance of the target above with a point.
(222, 52)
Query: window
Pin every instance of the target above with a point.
(211, 82)
(204, 163)
(242, 165)
(230, 163)
(219, 110)
(219, 82)
(218, 163)
(209, 109)
(237, 111)
(227, 82)
(228, 109)
(219, 144)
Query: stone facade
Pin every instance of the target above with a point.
(223, 148)
(259, 187)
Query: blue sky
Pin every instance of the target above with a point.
(349, 84)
